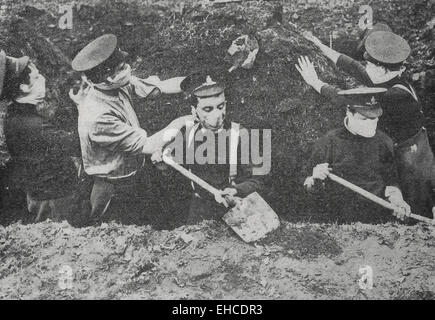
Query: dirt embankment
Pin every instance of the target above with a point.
(207, 261)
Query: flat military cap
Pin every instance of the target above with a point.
(386, 48)
(364, 100)
(98, 52)
(202, 85)
(11, 68)
(376, 27)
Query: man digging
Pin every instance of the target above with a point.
(361, 154)
(228, 172)
(403, 119)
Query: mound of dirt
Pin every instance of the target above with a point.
(55, 261)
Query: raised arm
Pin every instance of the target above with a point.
(327, 51)
(153, 86)
(342, 61)
(309, 74)
(171, 86)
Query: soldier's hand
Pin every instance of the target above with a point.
(310, 37)
(157, 160)
(230, 196)
(321, 171)
(157, 156)
(307, 70)
(309, 184)
(403, 210)
(80, 95)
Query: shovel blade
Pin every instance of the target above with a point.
(253, 219)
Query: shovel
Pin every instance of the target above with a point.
(252, 218)
(375, 198)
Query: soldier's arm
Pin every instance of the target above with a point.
(112, 133)
(153, 86)
(344, 62)
(354, 69)
(309, 74)
(171, 86)
(327, 51)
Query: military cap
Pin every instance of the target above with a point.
(364, 100)
(387, 48)
(376, 27)
(11, 68)
(98, 52)
(202, 85)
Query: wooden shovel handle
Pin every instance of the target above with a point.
(374, 198)
(216, 192)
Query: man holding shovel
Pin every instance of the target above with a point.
(236, 178)
(403, 119)
(361, 154)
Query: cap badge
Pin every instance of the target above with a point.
(209, 81)
(372, 102)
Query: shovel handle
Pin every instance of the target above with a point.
(374, 198)
(216, 192)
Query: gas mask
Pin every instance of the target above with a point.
(362, 127)
(210, 118)
(34, 94)
(116, 81)
(39, 89)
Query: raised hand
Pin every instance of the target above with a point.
(81, 93)
(307, 71)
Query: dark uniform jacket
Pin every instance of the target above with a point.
(403, 121)
(366, 162)
(41, 162)
(249, 177)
